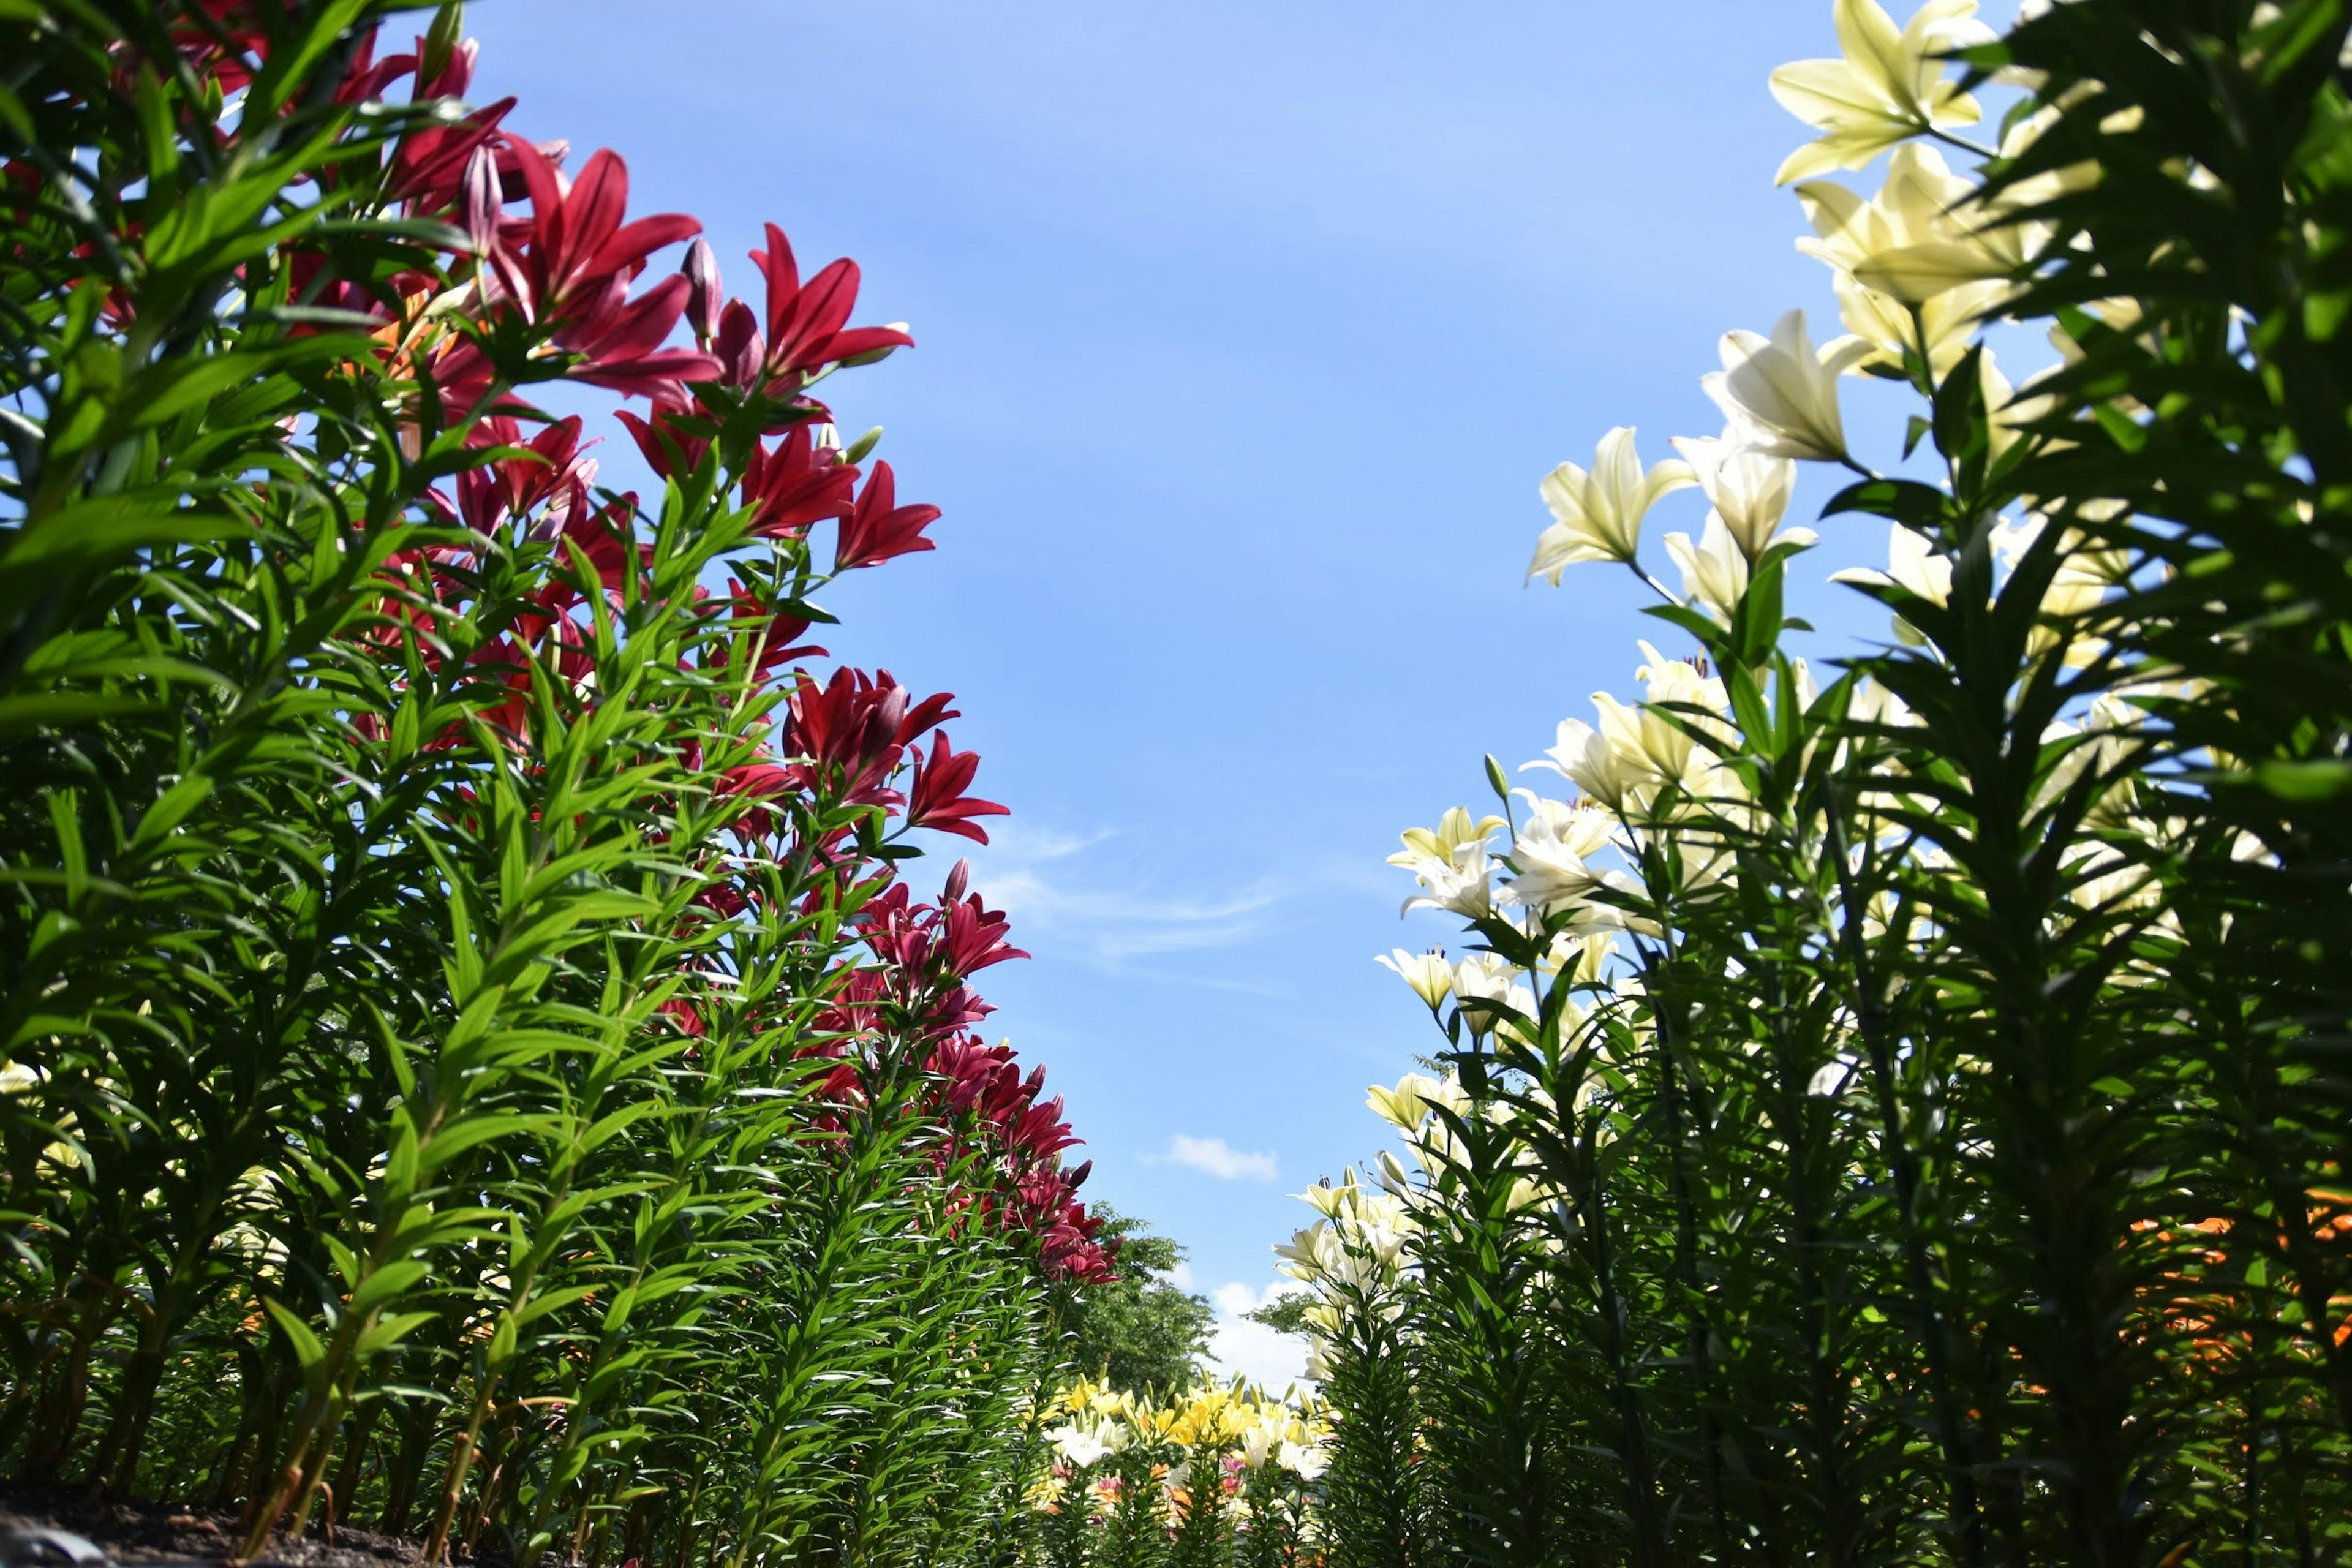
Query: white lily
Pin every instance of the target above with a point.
(1886, 87)
(1302, 1460)
(1428, 974)
(1714, 570)
(1454, 829)
(1912, 564)
(1552, 850)
(1461, 885)
(1406, 1106)
(1912, 246)
(1584, 756)
(1484, 977)
(1078, 1446)
(1780, 393)
(1597, 516)
(1917, 205)
(1748, 489)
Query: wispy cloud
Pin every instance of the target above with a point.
(1036, 876)
(1218, 1158)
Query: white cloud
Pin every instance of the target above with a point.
(1237, 1347)
(1180, 1275)
(1218, 1158)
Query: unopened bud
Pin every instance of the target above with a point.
(958, 879)
(456, 73)
(441, 42)
(483, 205)
(876, 356)
(705, 297)
(856, 451)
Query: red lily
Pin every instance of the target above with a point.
(556, 466)
(935, 798)
(796, 484)
(805, 324)
(878, 529)
(571, 266)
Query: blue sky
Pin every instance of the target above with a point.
(1246, 332)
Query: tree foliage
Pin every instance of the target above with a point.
(1142, 1332)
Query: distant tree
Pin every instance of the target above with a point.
(1285, 1313)
(1142, 1332)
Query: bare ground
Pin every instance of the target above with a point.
(158, 1533)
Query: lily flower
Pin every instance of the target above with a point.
(1552, 851)
(1307, 1462)
(1406, 1106)
(1428, 974)
(1714, 570)
(935, 799)
(1459, 883)
(1911, 246)
(1584, 756)
(807, 324)
(1913, 565)
(795, 484)
(1597, 516)
(1453, 830)
(1887, 86)
(878, 529)
(1748, 489)
(1780, 393)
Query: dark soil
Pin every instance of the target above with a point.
(155, 1532)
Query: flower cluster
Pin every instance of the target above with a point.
(1218, 1474)
(463, 835)
(1843, 1062)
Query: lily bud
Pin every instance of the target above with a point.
(958, 879)
(482, 202)
(706, 298)
(441, 41)
(876, 356)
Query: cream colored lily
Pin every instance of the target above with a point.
(1429, 975)
(1584, 756)
(1597, 516)
(1714, 570)
(1918, 205)
(1406, 1106)
(1453, 830)
(1780, 393)
(1748, 489)
(1911, 246)
(1885, 86)
(1552, 851)
(1912, 564)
